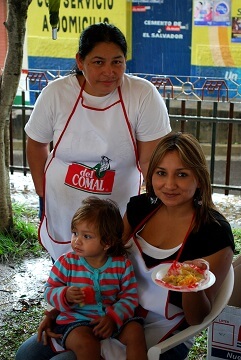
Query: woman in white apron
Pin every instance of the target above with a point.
(104, 125)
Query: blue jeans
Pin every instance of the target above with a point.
(33, 350)
(41, 207)
(179, 352)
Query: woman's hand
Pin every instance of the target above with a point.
(46, 325)
(197, 305)
(200, 263)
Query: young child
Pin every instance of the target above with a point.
(94, 286)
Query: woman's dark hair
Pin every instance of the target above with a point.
(192, 155)
(106, 216)
(97, 33)
(101, 32)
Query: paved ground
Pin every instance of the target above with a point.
(20, 283)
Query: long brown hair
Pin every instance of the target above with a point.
(192, 156)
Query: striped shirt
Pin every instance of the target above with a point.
(114, 285)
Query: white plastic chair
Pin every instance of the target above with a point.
(235, 299)
(220, 302)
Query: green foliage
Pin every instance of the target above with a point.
(23, 237)
(199, 349)
(237, 240)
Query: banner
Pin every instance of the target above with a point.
(74, 17)
(216, 37)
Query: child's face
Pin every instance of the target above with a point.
(86, 241)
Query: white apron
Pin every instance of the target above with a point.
(95, 154)
(161, 317)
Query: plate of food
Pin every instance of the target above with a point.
(184, 277)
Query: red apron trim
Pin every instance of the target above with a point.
(166, 309)
(67, 123)
(130, 131)
(55, 241)
(140, 311)
(97, 109)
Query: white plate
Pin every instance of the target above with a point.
(161, 270)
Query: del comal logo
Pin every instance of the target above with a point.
(96, 180)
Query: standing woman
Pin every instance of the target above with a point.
(104, 125)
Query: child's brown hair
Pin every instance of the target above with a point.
(106, 216)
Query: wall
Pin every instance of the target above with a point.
(74, 16)
(161, 37)
(166, 37)
(216, 39)
(171, 37)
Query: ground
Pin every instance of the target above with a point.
(22, 283)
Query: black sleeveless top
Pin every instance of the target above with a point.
(210, 238)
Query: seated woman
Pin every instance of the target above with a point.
(174, 220)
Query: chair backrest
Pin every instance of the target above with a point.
(235, 299)
(220, 302)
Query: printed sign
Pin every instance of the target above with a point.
(212, 13)
(91, 180)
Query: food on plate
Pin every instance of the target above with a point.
(185, 275)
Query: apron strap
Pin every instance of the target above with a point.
(69, 118)
(130, 130)
(139, 226)
(186, 236)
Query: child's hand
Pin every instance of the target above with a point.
(74, 295)
(104, 327)
(88, 294)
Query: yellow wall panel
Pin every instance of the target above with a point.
(212, 45)
(74, 16)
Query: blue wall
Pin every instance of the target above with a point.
(161, 37)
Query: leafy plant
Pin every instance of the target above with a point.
(23, 237)
(199, 349)
(237, 240)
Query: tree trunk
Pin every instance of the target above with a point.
(9, 80)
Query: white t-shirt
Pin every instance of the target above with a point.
(145, 108)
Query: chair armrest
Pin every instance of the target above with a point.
(220, 302)
(180, 337)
